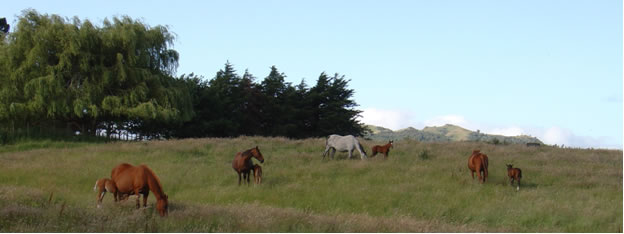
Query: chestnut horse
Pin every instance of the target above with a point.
(242, 162)
(140, 180)
(385, 149)
(514, 174)
(257, 169)
(478, 162)
(102, 186)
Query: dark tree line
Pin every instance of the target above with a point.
(233, 105)
(62, 75)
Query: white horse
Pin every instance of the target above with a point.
(343, 144)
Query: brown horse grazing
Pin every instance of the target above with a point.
(385, 149)
(242, 162)
(478, 162)
(102, 186)
(140, 180)
(257, 169)
(514, 174)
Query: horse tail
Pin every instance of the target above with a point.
(95, 186)
(484, 164)
(519, 173)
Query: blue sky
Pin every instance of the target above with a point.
(550, 69)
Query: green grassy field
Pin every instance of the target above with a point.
(49, 188)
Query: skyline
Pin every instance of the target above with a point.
(552, 69)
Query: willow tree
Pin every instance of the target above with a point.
(71, 73)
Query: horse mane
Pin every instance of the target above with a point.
(247, 153)
(154, 182)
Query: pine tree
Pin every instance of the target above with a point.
(273, 88)
(252, 101)
(333, 109)
(224, 117)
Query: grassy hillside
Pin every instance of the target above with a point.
(455, 133)
(446, 133)
(421, 187)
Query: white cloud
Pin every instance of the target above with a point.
(507, 131)
(391, 119)
(446, 119)
(556, 135)
(563, 136)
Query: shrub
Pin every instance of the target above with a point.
(424, 155)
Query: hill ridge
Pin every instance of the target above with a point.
(446, 133)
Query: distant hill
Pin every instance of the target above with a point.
(446, 133)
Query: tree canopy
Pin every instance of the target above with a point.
(230, 105)
(60, 73)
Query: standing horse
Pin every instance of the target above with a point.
(514, 174)
(242, 163)
(140, 180)
(385, 149)
(343, 144)
(257, 171)
(102, 186)
(478, 162)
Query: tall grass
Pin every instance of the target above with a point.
(564, 190)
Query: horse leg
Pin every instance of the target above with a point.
(100, 196)
(333, 151)
(248, 177)
(256, 179)
(482, 175)
(239, 178)
(479, 174)
(518, 188)
(485, 174)
(138, 204)
(145, 199)
(326, 151)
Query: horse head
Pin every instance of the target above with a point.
(509, 166)
(162, 205)
(391, 144)
(255, 152)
